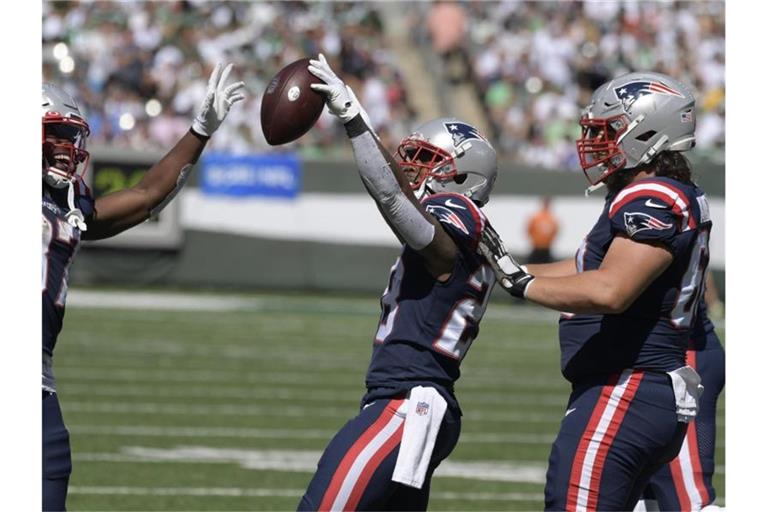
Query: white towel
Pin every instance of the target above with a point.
(426, 408)
(687, 386)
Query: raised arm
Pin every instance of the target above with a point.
(126, 208)
(383, 178)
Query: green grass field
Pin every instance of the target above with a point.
(225, 402)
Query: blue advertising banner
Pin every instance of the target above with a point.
(277, 175)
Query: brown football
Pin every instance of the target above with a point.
(289, 107)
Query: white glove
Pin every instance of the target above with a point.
(339, 97)
(512, 276)
(218, 100)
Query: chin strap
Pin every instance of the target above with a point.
(593, 188)
(74, 216)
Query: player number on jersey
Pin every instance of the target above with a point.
(62, 232)
(389, 303)
(463, 322)
(691, 288)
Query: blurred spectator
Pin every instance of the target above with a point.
(535, 63)
(447, 25)
(135, 65)
(542, 230)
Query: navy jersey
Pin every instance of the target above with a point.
(426, 327)
(653, 333)
(60, 243)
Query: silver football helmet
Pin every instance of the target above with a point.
(631, 119)
(448, 155)
(64, 133)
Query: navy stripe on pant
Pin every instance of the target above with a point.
(617, 431)
(57, 460)
(355, 471)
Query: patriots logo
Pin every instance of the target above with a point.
(633, 91)
(447, 216)
(638, 221)
(462, 132)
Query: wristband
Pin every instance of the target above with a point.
(200, 137)
(355, 126)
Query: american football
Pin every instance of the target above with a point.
(289, 107)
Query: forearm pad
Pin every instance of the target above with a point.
(374, 170)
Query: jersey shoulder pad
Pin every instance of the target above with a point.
(652, 209)
(458, 215)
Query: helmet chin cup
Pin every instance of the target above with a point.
(420, 191)
(55, 178)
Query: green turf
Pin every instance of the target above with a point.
(284, 375)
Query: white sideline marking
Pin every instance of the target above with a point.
(279, 410)
(305, 461)
(194, 301)
(296, 377)
(262, 433)
(281, 493)
(508, 399)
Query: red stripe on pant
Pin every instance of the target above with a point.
(354, 451)
(371, 466)
(676, 467)
(578, 463)
(605, 444)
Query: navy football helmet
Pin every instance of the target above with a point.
(631, 119)
(448, 155)
(64, 133)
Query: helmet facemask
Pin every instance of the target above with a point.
(423, 162)
(64, 153)
(599, 149)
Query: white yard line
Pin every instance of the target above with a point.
(264, 433)
(279, 493)
(278, 410)
(194, 301)
(512, 399)
(305, 461)
(298, 377)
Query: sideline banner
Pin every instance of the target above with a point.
(276, 175)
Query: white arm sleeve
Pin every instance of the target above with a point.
(402, 214)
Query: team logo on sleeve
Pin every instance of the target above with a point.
(633, 91)
(447, 216)
(462, 132)
(639, 221)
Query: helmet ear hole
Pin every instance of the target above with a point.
(460, 178)
(644, 137)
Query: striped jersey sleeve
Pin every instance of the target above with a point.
(651, 210)
(459, 216)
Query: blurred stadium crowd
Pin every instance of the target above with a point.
(140, 68)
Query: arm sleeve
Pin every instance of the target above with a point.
(378, 178)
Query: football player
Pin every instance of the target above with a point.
(71, 214)
(430, 194)
(630, 295)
